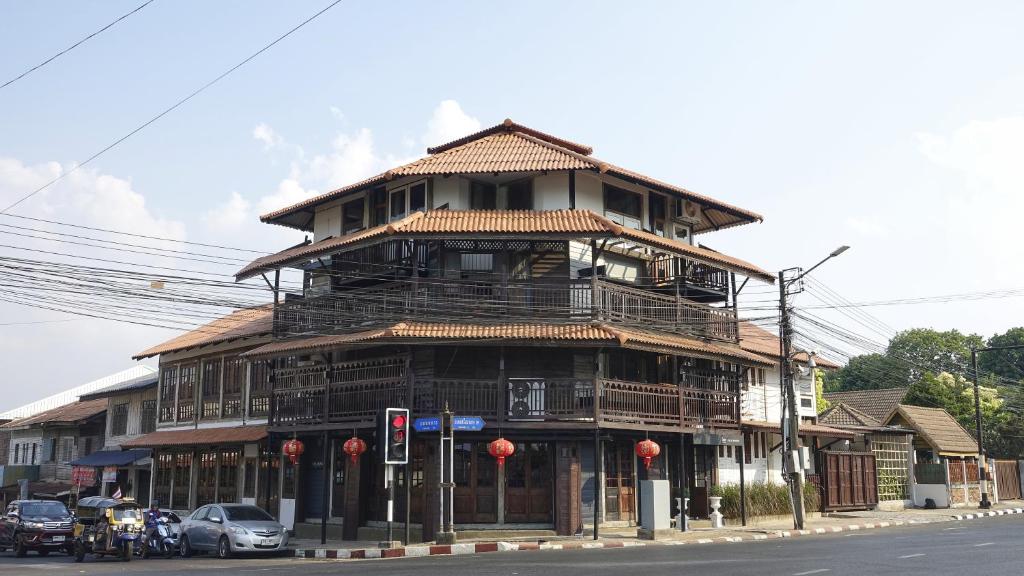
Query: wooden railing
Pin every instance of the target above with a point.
(514, 400)
(569, 301)
(689, 274)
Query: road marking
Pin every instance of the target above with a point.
(818, 571)
(911, 556)
(955, 528)
(984, 544)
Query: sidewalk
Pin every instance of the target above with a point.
(626, 537)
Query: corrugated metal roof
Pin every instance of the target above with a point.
(510, 148)
(244, 323)
(135, 384)
(72, 394)
(603, 333)
(200, 436)
(568, 223)
(68, 414)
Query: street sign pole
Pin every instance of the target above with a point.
(447, 484)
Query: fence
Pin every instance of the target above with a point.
(927, 473)
(1008, 479)
(850, 481)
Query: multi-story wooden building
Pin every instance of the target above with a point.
(513, 276)
(209, 443)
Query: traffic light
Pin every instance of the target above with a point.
(393, 436)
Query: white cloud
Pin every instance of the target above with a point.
(231, 215)
(352, 158)
(867, 226)
(338, 114)
(449, 122)
(265, 134)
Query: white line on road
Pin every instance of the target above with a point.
(984, 544)
(818, 571)
(911, 556)
(954, 528)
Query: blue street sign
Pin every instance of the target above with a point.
(468, 423)
(427, 424)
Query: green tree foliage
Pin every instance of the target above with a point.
(924, 350)
(819, 391)
(1005, 363)
(868, 372)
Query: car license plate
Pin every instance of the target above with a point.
(58, 538)
(269, 542)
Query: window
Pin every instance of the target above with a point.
(33, 460)
(210, 400)
(162, 483)
(379, 206)
(748, 458)
(119, 419)
(397, 203)
(148, 423)
(227, 478)
(483, 196)
(17, 452)
(352, 216)
(657, 208)
(624, 204)
(88, 447)
(182, 475)
(53, 450)
(168, 392)
(418, 197)
(519, 195)
(67, 450)
(249, 479)
(234, 382)
(477, 262)
(186, 392)
(259, 389)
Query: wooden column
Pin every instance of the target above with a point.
(567, 489)
(350, 524)
(431, 503)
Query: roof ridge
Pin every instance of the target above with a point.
(509, 127)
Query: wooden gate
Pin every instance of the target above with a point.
(850, 481)
(1008, 479)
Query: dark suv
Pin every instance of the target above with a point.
(40, 525)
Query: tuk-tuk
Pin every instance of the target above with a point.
(105, 526)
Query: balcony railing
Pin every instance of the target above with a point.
(689, 274)
(515, 400)
(570, 301)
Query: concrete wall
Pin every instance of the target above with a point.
(937, 492)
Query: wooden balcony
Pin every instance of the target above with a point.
(305, 398)
(688, 274)
(436, 300)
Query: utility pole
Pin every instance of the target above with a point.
(791, 459)
(982, 460)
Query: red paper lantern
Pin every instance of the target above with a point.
(354, 447)
(293, 449)
(647, 449)
(501, 449)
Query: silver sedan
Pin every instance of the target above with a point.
(228, 529)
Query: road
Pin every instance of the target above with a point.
(989, 546)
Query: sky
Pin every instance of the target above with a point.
(895, 128)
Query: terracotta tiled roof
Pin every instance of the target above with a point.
(760, 341)
(200, 436)
(808, 429)
(67, 414)
(567, 223)
(603, 333)
(844, 415)
(938, 428)
(509, 125)
(510, 148)
(243, 323)
(878, 404)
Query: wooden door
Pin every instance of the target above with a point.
(702, 480)
(618, 481)
(476, 494)
(338, 480)
(529, 475)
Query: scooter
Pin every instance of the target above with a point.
(163, 541)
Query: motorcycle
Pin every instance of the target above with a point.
(160, 540)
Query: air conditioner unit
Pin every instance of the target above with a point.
(687, 212)
(525, 398)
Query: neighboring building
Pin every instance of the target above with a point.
(509, 275)
(131, 413)
(44, 445)
(878, 404)
(891, 445)
(211, 415)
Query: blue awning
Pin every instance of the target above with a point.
(113, 457)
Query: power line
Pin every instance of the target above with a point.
(168, 110)
(73, 46)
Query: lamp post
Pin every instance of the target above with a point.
(982, 463)
(791, 430)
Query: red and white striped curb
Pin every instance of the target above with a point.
(484, 547)
(990, 513)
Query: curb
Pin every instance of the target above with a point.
(484, 547)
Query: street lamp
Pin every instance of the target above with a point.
(791, 433)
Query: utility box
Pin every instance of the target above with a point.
(655, 510)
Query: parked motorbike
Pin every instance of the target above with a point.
(162, 540)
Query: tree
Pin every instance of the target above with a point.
(819, 391)
(1005, 363)
(868, 372)
(926, 350)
